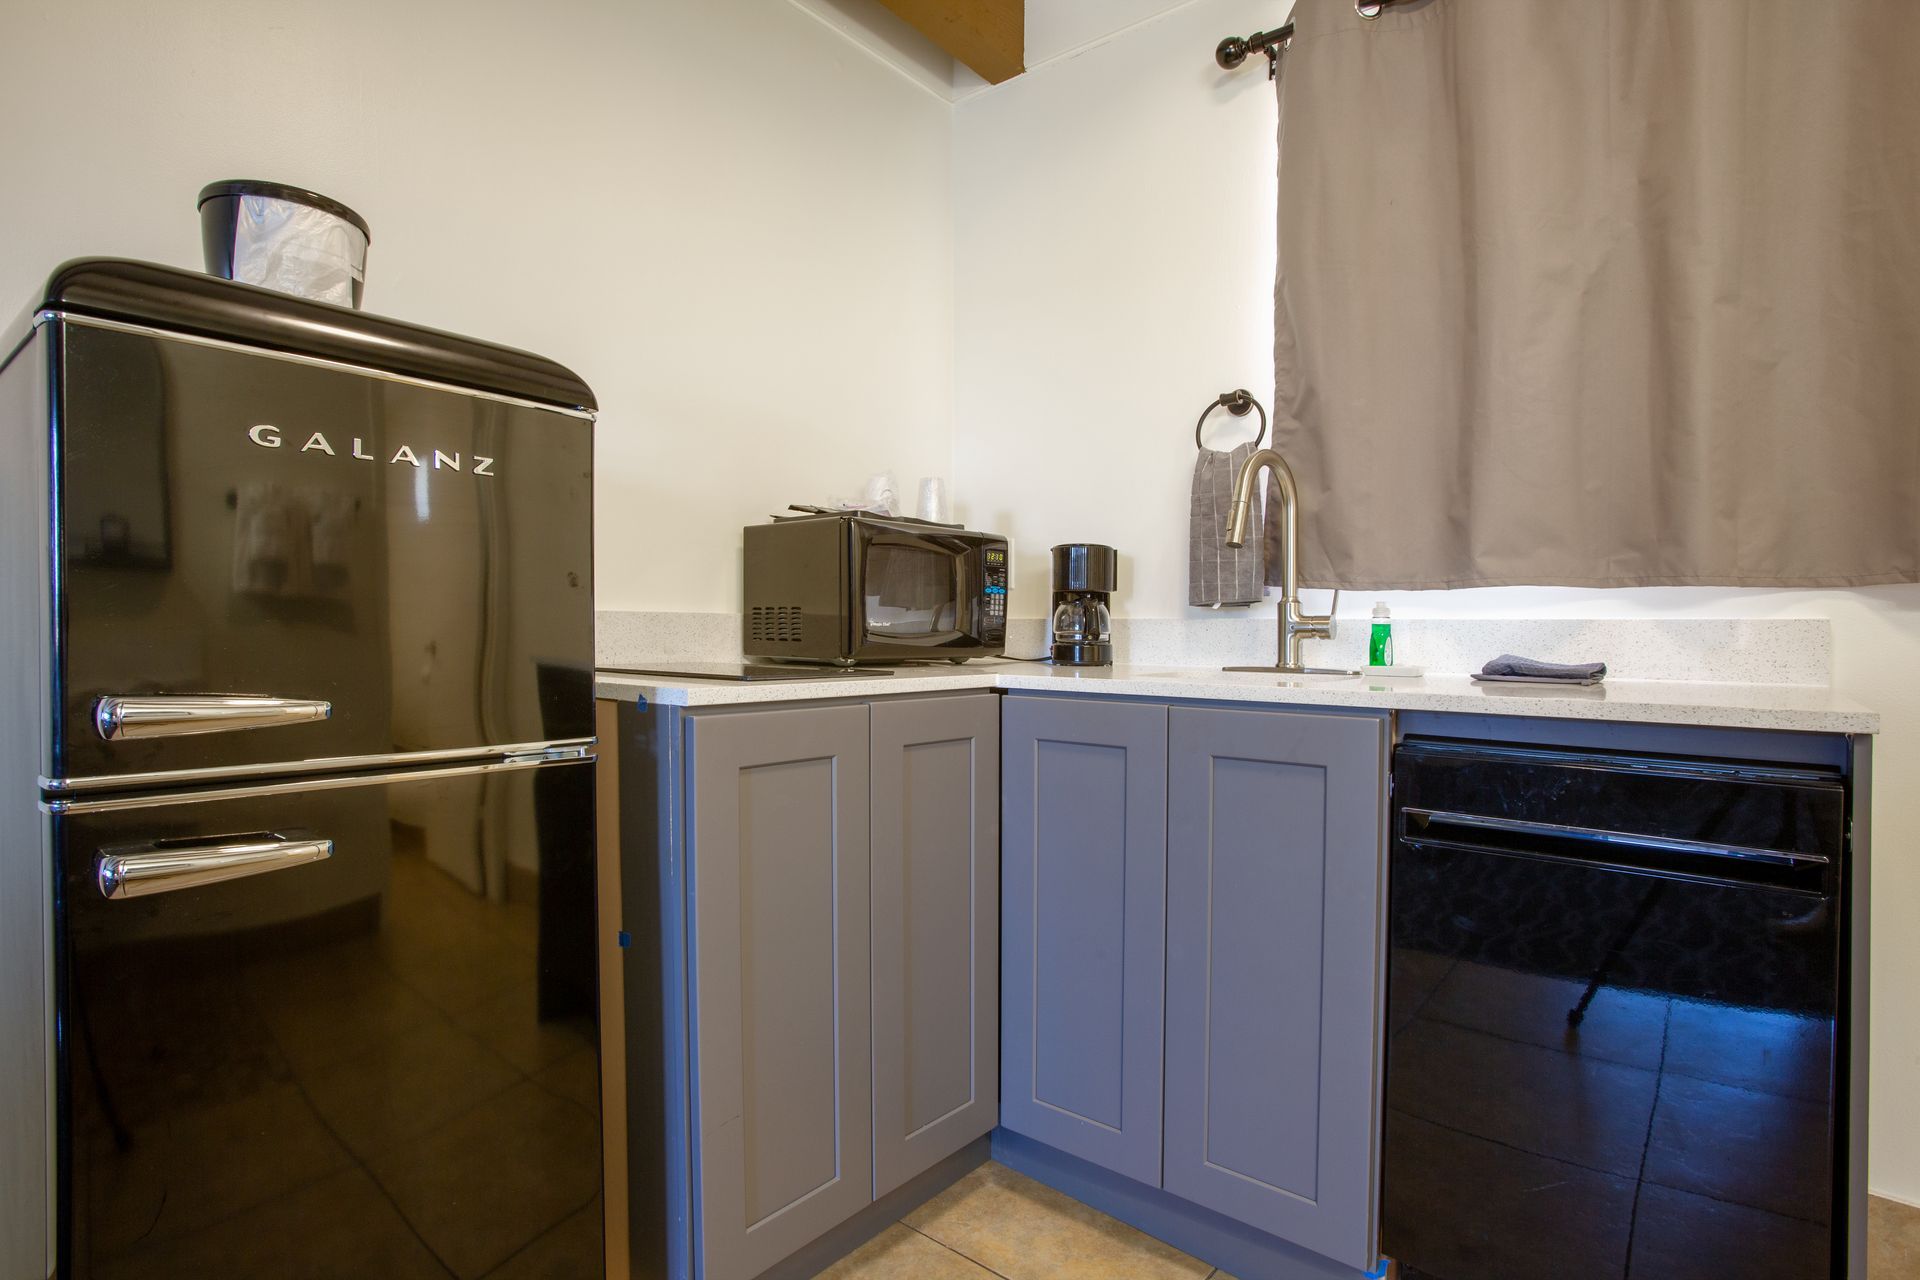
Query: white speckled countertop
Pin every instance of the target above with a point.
(1796, 707)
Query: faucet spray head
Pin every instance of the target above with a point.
(1237, 523)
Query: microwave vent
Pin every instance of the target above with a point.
(776, 624)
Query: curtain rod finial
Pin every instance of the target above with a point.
(1231, 52)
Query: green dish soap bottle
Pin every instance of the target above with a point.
(1380, 643)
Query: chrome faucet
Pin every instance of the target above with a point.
(1295, 624)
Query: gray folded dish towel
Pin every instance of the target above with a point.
(1219, 575)
(1517, 670)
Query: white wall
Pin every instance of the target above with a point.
(734, 224)
(748, 248)
(1114, 267)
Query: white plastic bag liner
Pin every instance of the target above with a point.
(298, 249)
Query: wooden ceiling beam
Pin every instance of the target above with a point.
(988, 35)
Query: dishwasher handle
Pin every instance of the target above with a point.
(1429, 819)
(1641, 853)
(137, 872)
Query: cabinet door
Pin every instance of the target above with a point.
(936, 930)
(778, 853)
(1275, 901)
(1083, 919)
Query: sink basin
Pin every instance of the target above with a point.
(1310, 675)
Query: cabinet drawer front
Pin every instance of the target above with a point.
(778, 851)
(936, 930)
(1275, 846)
(1083, 849)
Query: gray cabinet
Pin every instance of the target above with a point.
(1275, 880)
(1192, 904)
(777, 811)
(935, 899)
(842, 892)
(1083, 853)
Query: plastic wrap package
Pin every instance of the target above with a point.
(298, 249)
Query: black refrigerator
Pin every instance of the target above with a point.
(297, 913)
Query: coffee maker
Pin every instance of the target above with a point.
(1084, 576)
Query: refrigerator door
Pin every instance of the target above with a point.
(332, 1028)
(272, 562)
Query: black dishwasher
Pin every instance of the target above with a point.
(1613, 1007)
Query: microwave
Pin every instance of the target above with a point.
(848, 588)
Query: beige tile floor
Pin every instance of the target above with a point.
(998, 1223)
(1893, 1240)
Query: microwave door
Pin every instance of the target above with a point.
(912, 594)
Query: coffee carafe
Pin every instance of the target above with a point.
(1085, 575)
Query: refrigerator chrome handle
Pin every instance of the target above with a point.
(136, 873)
(164, 715)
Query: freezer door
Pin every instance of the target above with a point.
(335, 1029)
(265, 561)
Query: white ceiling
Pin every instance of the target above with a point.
(1055, 29)
(884, 35)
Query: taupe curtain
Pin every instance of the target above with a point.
(1602, 292)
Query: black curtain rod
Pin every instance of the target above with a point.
(1233, 51)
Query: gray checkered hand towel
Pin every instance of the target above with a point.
(1216, 573)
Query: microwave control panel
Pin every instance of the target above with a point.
(993, 592)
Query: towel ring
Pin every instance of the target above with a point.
(1236, 403)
